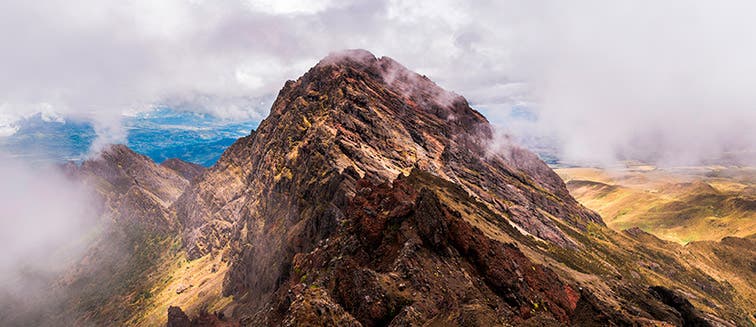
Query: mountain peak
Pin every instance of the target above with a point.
(354, 117)
(385, 118)
(415, 91)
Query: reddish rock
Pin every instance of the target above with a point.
(177, 318)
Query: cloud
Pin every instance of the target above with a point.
(642, 79)
(7, 125)
(46, 223)
(289, 7)
(664, 82)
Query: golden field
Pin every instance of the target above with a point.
(681, 204)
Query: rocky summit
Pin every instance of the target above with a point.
(370, 196)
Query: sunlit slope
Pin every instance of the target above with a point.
(681, 205)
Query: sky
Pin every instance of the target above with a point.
(660, 81)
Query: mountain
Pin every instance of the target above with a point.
(135, 236)
(286, 188)
(370, 196)
(115, 277)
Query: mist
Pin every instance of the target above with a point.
(46, 223)
(668, 83)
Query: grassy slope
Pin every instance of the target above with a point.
(140, 277)
(713, 275)
(679, 205)
(619, 266)
(697, 207)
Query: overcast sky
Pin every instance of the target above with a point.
(669, 80)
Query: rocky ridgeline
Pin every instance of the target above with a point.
(324, 219)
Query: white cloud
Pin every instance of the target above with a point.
(605, 77)
(46, 221)
(48, 114)
(7, 124)
(283, 7)
(646, 80)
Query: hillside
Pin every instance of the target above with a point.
(679, 205)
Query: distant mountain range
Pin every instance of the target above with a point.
(159, 134)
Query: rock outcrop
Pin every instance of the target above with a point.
(177, 318)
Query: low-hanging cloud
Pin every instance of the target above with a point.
(639, 80)
(664, 82)
(47, 221)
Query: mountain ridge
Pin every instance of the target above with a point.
(372, 197)
(354, 119)
(352, 116)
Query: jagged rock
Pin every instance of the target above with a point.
(177, 318)
(432, 222)
(426, 263)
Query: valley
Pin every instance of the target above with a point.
(682, 205)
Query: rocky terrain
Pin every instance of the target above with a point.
(306, 211)
(372, 197)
